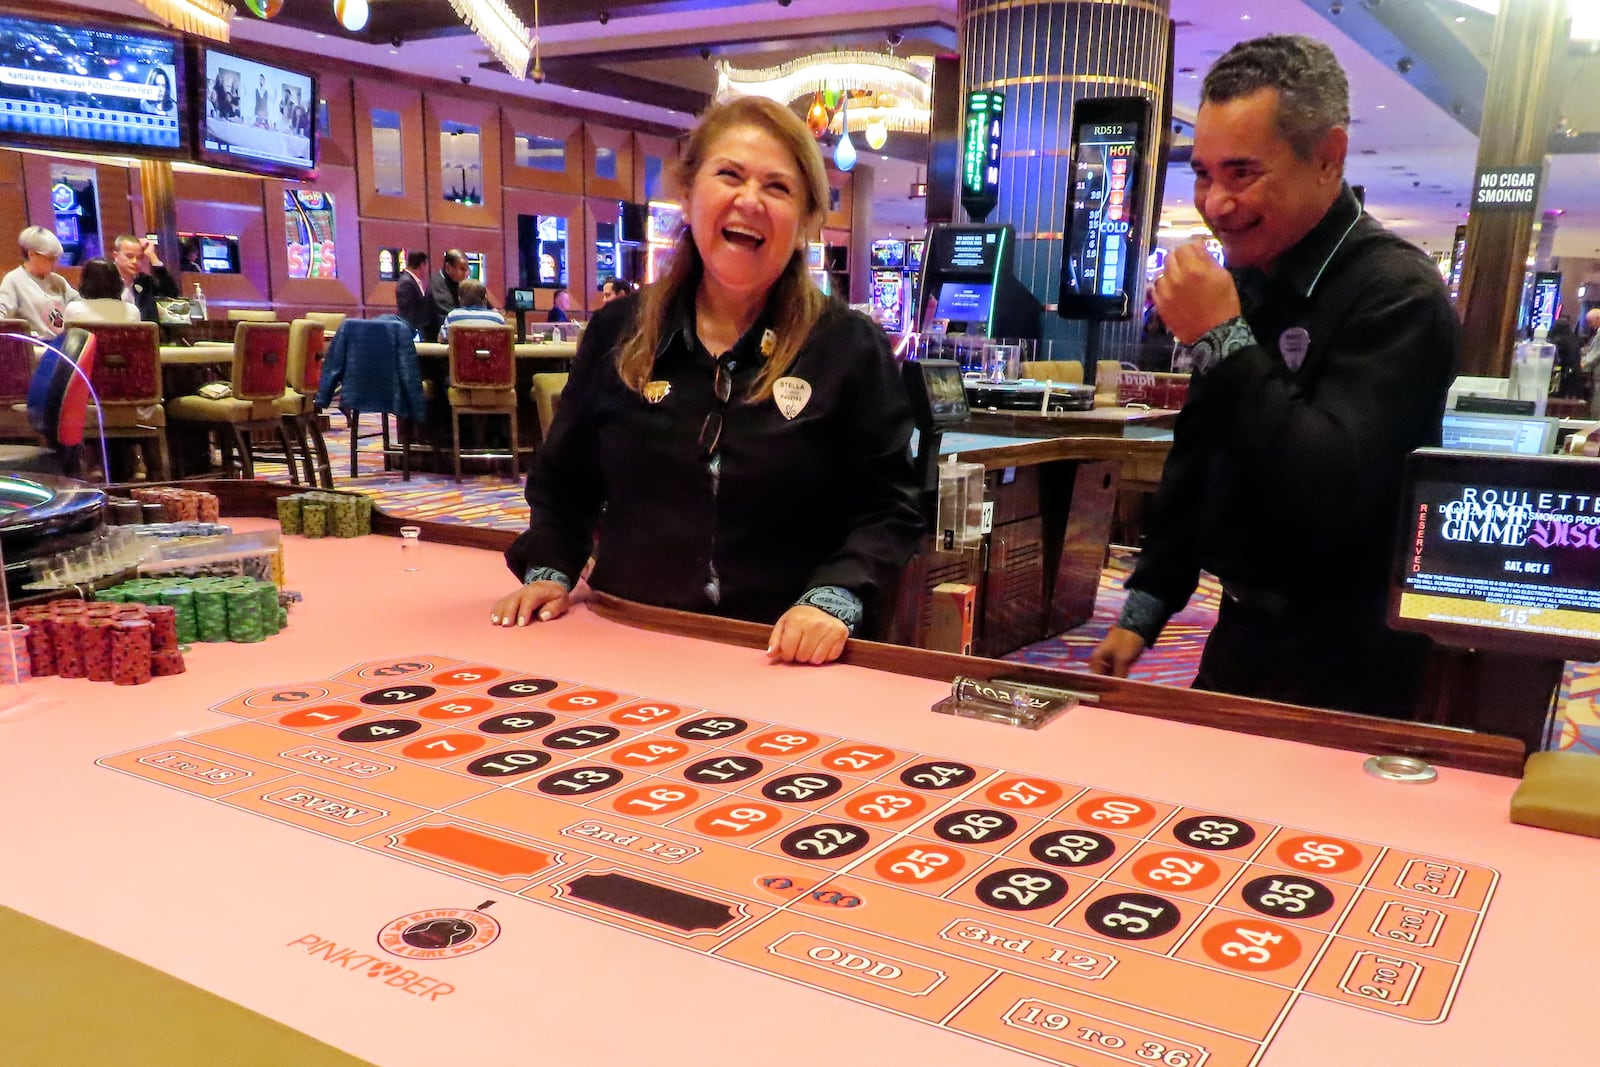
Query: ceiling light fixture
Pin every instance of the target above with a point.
(203, 18)
(352, 14)
(537, 74)
(501, 30)
(844, 153)
(901, 88)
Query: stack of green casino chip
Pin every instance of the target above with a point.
(235, 608)
(180, 598)
(289, 512)
(320, 514)
(211, 610)
(245, 623)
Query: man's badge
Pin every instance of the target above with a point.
(1293, 344)
(791, 395)
(656, 391)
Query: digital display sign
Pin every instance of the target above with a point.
(1501, 552)
(66, 85)
(1101, 265)
(974, 250)
(1544, 300)
(980, 153)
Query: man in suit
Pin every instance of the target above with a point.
(445, 288)
(412, 300)
(144, 277)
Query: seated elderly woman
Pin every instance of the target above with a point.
(34, 292)
(738, 439)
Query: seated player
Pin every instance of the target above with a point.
(100, 295)
(744, 436)
(34, 292)
(474, 309)
(613, 288)
(559, 304)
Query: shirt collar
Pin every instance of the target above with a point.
(1302, 266)
(679, 328)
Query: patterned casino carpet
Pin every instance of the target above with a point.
(493, 499)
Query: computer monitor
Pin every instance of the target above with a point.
(520, 300)
(1498, 553)
(1520, 435)
(937, 392)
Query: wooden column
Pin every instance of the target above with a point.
(160, 209)
(1529, 50)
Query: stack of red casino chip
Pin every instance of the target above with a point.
(16, 665)
(94, 647)
(112, 642)
(41, 654)
(130, 651)
(165, 658)
(64, 639)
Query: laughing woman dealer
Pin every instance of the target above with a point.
(731, 441)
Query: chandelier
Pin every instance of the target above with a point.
(499, 28)
(203, 18)
(851, 92)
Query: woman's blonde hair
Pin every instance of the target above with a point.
(796, 300)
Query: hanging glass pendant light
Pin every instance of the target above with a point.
(844, 153)
(877, 134)
(352, 14)
(817, 117)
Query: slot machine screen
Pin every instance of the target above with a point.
(1501, 553)
(888, 253)
(92, 88)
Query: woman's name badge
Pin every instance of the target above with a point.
(655, 392)
(791, 395)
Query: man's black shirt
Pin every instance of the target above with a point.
(1286, 481)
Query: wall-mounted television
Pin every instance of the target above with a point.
(91, 88)
(255, 116)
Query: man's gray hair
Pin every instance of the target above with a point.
(1313, 93)
(40, 240)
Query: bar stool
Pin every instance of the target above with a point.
(298, 405)
(260, 364)
(546, 394)
(371, 366)
(483, 381)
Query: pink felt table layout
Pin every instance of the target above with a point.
(584, 843)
